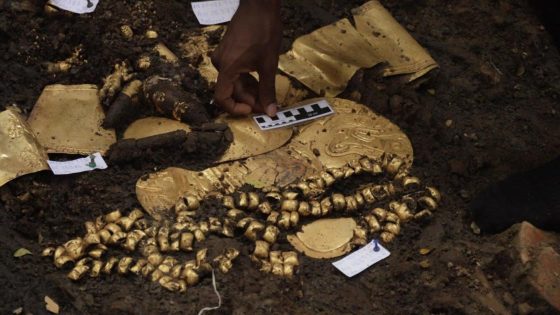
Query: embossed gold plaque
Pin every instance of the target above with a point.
(151, 126)
(68, 118)
(20, 153)
(325, 238)
(353, 131)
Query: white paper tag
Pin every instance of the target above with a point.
(361, 259)
(214, 11)
(76, 6)
(295, 115)
(90, 163)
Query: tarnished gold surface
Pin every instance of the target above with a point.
(151, 126)
(20, 152)
(249, 140)
(354, 131)
(392, 42)
(68, 118)
(326, 59)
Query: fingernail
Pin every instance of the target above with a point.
(271, 109)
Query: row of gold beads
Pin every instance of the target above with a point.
(113, 229)
(281, 264)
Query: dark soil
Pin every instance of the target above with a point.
(492, 109)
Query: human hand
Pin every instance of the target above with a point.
(251, 43)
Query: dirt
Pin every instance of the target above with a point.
(491, 109)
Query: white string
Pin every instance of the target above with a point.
(206, 309)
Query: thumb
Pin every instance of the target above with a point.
(267, 88)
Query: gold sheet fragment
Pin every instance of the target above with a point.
(393, 42)
(249, 140)
(151, 126)
(325, 238)
(20, 152)
(354, 130)
(68, 118)
(326, 59)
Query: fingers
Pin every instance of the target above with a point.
(267, 85)
(223, 96)
(246, 90)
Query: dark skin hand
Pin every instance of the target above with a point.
(251, 43)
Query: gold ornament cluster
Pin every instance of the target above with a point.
(262, 216)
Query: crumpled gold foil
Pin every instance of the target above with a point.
(354, 130)
(20, 152)
(151, 126)
(325, 238)
(249, 140)
(326, 59)
(68, 118)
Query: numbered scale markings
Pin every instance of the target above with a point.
(294, 116)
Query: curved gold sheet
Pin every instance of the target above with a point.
(20, 152)
(325, 238)
(151, 126)
(249, 140)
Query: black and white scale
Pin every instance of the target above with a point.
(296, 115)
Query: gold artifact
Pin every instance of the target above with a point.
(21, 152)
(249, 140)
(112, 84)
(338, 139)
(325, 238)
(326, 59)
(353, 131)
(151, 126)
(68, 118)
(180, 230)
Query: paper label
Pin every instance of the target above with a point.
(76, 6)
(295, 115)
(361, 259)
(87, 164)
(215, 11)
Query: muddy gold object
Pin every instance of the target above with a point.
(112, 84)
(68, 118)
(354, 131)
(151, 34)
(66, 64)
(127, 32)
(249, 140)
(124, 105)
(151, 126)
(326, 59)
(170, 99)
(21, 153)
(166, 53)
